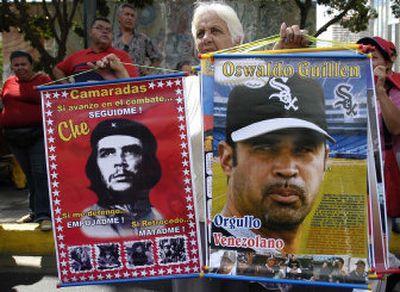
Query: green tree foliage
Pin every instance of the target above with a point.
(396, 8)
(351, 14)
(54, 20)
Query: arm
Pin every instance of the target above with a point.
(129, 66)
(390, 113)
(110, 67)
(291, 37)
(59, 74)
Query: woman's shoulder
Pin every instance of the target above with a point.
(42, 77)
(11, 78)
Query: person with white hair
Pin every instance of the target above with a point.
(216, 26)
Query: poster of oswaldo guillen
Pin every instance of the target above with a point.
(120, 180)
(289, 185)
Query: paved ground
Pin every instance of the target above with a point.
(14, 203)
(38, 274)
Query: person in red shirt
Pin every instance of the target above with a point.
(21, 121)
(99, 62)
(387, 89)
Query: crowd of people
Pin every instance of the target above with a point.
(329, 269)
(21, 116)
(215, 26)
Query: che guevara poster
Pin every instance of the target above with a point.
(289, 168)
(120, 180)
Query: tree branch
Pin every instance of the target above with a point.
(52, 21)
(335, 19)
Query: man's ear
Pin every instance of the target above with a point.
(225, 153)
(326, 157)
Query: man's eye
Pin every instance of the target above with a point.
(215, 30)
(262, 147)
(133, 150)
(305, 149)
(200, 34)
(106, 152)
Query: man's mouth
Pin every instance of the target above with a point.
(208, 50)
(284, 199)
(284, 194)
(121, 177)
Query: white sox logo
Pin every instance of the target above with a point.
(345, 99)
(284, 95)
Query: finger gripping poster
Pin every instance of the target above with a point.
(289, 169)
(120, 179)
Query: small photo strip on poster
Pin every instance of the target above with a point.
(80, 258)
(108, 256)
(139, 254)
(172, 250)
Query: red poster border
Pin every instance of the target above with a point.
(61, 171)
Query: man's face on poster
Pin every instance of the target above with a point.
(226, 265)
(360, 268)
(167, 249)
(119, 158)
(277, 176)
(139, 249)
(271, 262)
(242, 266)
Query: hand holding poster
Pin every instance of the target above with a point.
(289, 190)
(120, 179)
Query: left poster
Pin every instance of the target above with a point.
(120, 181)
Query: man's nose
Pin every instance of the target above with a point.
(120, 159)
(207, 37)
(285, 166)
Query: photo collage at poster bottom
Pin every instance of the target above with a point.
(335, 269)
(131, 254)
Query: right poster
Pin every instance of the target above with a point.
(289, 200)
